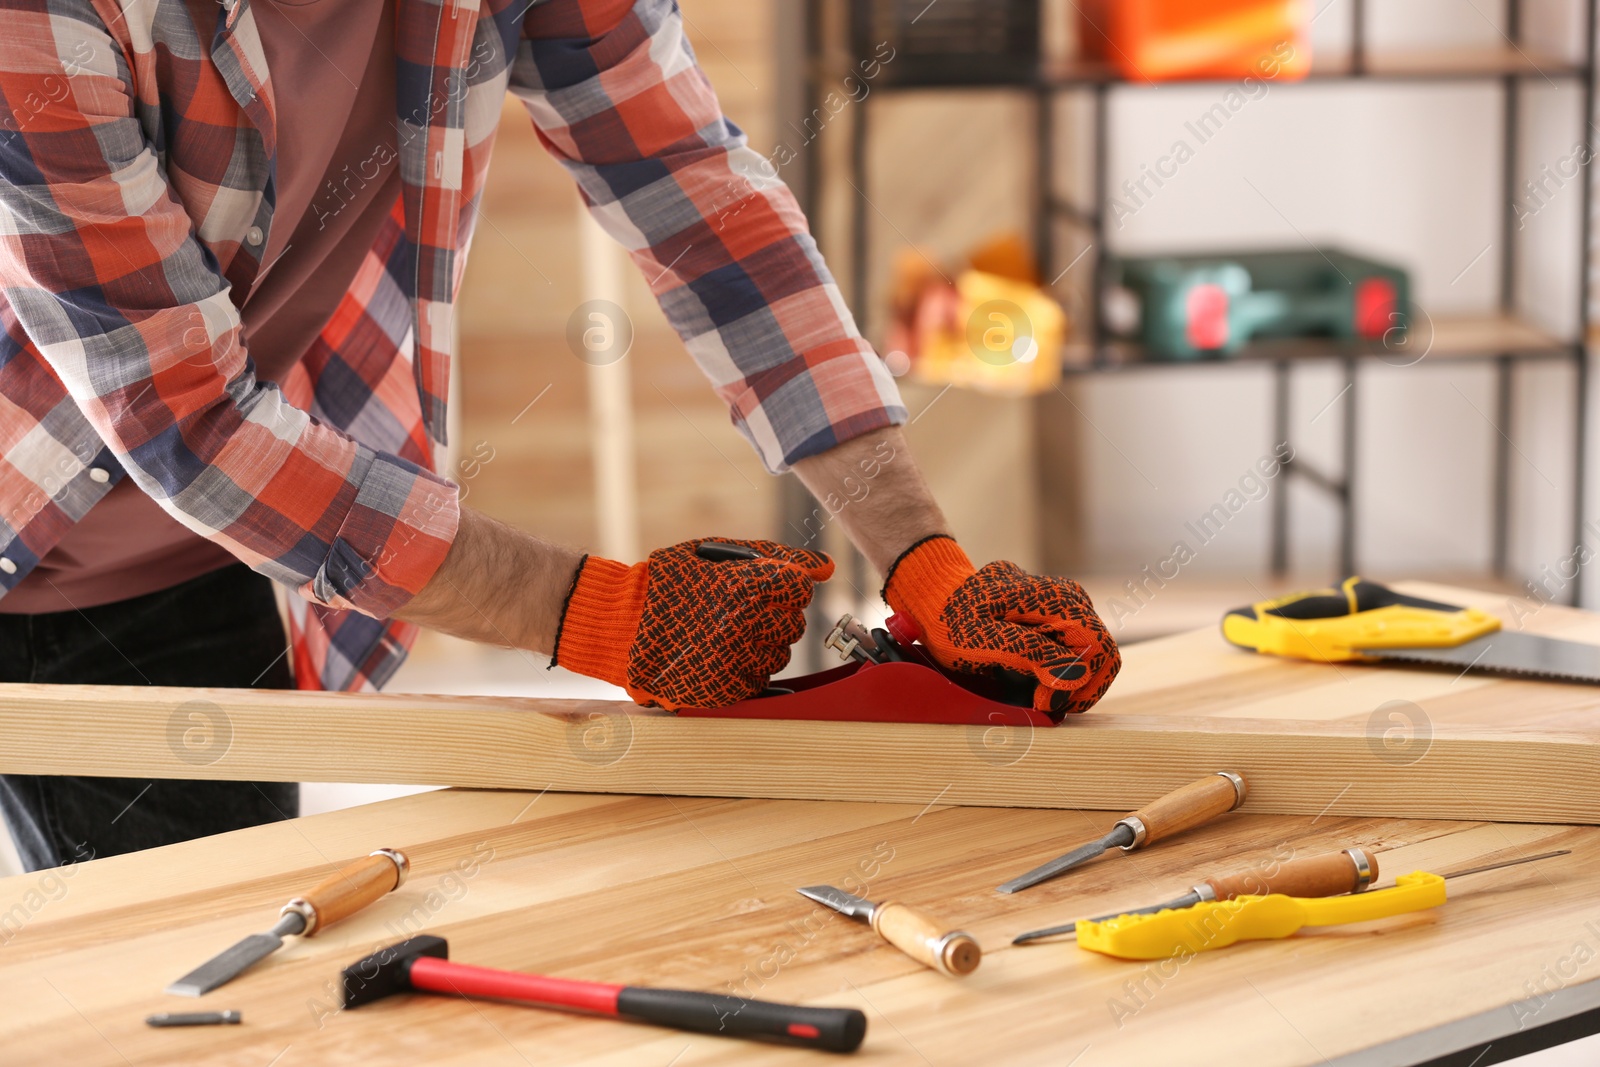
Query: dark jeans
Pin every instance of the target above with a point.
(221, 629)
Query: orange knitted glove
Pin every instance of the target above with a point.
(1002, 618)
(681, 631)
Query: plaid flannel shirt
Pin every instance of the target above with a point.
(136, 190)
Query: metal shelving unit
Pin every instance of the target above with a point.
(1503, 340)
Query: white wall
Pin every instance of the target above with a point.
(1409, 173)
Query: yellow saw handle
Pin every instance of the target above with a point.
(1348, 623)
(1182, 932)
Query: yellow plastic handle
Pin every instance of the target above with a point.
(1331, 626)
(1217, 924)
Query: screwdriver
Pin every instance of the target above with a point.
(1349, 871)
(1182, 809)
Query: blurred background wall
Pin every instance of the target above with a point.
(1099, 478)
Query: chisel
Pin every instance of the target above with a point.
(1182, 809)
(1349, 871)
(954, 953)
(341, 894)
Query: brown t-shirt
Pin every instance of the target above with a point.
(332, 64)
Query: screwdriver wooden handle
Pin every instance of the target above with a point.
(918, 936)
(1330, 875)
(1187, 807)
(350, 888)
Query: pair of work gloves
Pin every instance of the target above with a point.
(681, 630)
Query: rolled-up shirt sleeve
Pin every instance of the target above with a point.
(617, 96)
(108, 279)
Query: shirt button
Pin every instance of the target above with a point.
(253, 235)
(7, 566)
(99, 474)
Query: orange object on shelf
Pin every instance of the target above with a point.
(990, 333)
(1007, 255)
(993, 328)
(1165, 40)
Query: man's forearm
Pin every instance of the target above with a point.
(497, 585)
(876, 491)
(502, 586)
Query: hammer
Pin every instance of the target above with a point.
(422, 963)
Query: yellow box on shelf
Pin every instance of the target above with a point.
(1006, 337)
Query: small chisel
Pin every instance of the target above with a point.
(954, 953)
(341, 894)
(1349, 871)
(1182, 809)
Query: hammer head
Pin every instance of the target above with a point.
(388, 970)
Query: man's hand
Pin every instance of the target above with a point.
(677, 630)
(1003, 618)
(682, 630)
(977, 621)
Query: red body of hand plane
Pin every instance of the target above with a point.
(913, 689)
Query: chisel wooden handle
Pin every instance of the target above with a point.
(951, 952)
(1187, 807)
(1349, 871)
(349, 889)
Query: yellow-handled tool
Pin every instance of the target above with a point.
(1219, 923)
(1216, 924)
(1368, 622)
(1333, 874)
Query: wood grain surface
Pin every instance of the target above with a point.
(700, 894)
(1371, 740)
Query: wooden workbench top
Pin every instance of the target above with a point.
(698, 893)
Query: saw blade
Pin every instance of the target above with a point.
(1511, 653)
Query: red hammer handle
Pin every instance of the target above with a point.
(833, 1029)
(442, 976)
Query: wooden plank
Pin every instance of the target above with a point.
(1468, 773)
(1357, 740)
(700, 894)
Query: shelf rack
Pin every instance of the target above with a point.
(1502, 339)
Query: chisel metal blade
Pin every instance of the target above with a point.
(1520, 654)
(1188, 900)
(226, 965)
(1119, 836)
(840, 901)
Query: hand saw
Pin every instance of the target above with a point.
(1363, 621)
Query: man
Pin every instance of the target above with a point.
(230, 242)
